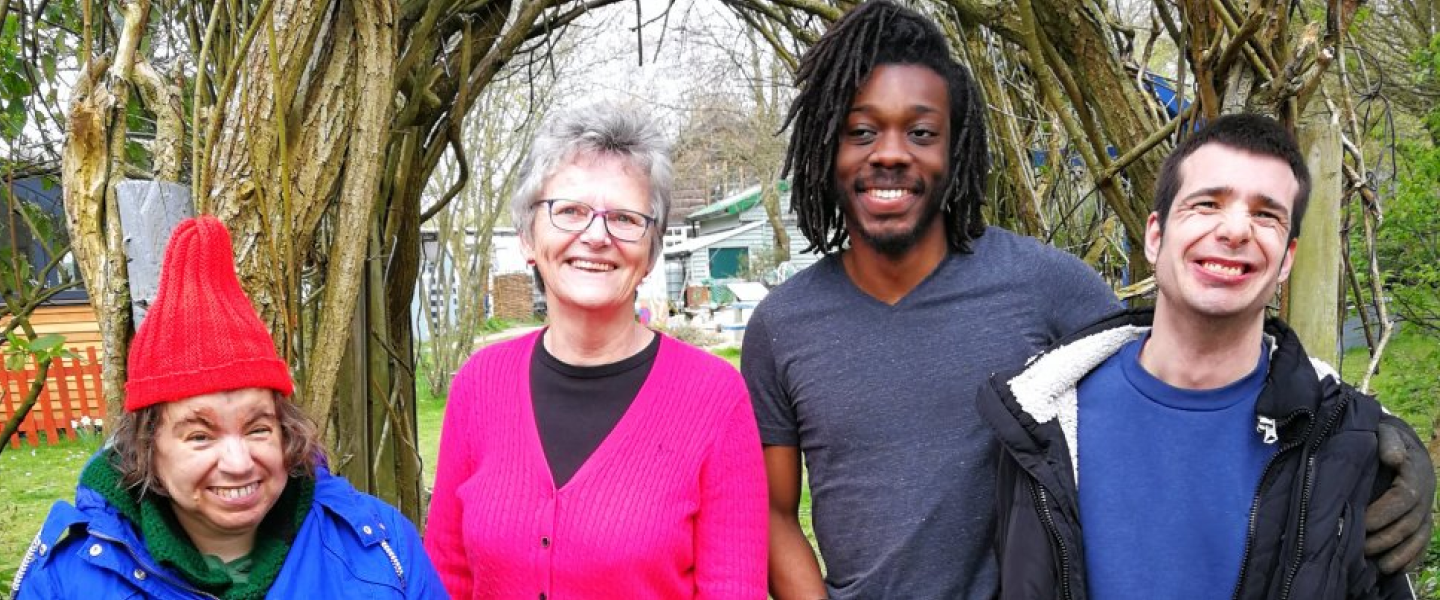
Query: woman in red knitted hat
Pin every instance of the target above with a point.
(214, 484)
(597, 458)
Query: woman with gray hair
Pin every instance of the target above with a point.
(597, 458)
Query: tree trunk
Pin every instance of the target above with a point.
(770, 196)
(315, 126)
(94, 152)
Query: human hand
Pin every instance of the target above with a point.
(1398, 523)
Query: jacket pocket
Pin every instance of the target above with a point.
(1324, 571)
(1334, 559)
(1337, 575)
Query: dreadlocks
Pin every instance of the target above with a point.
(879, 33)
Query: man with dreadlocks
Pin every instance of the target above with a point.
(866, 364)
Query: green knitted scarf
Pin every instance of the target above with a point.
(171, 547)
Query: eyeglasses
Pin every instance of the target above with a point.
(575, 216)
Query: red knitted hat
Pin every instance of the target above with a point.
(201, 335)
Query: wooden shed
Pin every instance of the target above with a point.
(75, 322)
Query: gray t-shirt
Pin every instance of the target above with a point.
(881, 402)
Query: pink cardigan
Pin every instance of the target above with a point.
(672, 505)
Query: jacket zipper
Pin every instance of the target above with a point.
(1306, 491)
(394, 562)
(1042, 503)
(25, 565)
(159, 572)
(1255, 502)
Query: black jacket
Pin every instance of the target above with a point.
(1307, 521)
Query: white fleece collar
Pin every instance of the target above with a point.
(1046, 388)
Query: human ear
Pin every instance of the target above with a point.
(1288, 260)
(1153, 237)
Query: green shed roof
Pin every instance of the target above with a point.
(736, 204)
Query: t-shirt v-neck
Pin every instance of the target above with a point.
(576, 407)
(902, 303)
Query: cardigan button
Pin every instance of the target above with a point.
(95, 550)
(367, 530)
(545, 542)
(543, 596)
(140, 575)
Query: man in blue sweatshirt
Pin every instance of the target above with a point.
(1194, 451)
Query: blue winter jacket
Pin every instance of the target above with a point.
(351, 545)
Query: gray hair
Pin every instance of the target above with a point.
(601, 129)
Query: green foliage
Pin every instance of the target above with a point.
(45, 228)
(497, 324)
(20, 349)
(13, 88)
(37, 58)
(1427, 581)
(140, 127)
(13, 269)
(1428, 60)
(12, 121)
(1408, 239)
(1362, 16)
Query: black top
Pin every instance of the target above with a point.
(577, 406)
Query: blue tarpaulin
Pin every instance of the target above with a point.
(1161, 88)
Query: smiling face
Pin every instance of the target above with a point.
(220, 458)
(893, 159)
(1225, 244)
(590, 270)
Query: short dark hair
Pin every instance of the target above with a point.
(133, 444)
(1256, 134)
(879, 32)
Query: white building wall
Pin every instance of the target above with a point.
(506, 256)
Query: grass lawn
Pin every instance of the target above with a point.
(729, 353)
(1409, 379)
(429, 412)
(32, 479)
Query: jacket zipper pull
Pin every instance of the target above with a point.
(1266, 425)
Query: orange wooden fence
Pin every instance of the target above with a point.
(71, 393)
